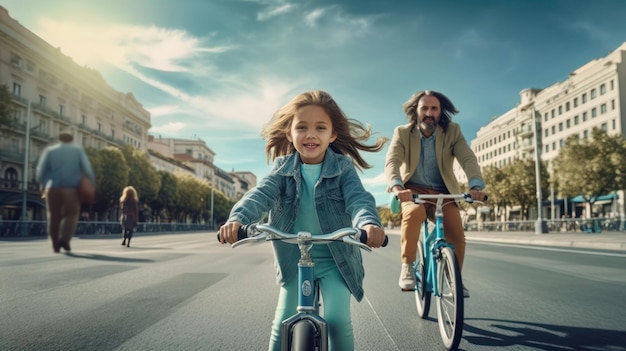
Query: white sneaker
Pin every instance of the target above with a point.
(407, 277)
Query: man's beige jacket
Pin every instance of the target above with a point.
(405, 148)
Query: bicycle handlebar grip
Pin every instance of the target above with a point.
(242, 233)
(363, 238)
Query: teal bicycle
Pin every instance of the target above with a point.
(306, 330)
(437, 271)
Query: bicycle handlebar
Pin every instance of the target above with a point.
(256, 232)
(395, 204)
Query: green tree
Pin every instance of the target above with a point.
(142, 175)
(591, 168)
(6, 108)
(111, 178)
(495, 178)
(168, 194)
(520, 184)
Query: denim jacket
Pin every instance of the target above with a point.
(340, 199)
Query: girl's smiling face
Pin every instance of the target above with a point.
(311, 132)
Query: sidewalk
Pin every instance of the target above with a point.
(603, 241)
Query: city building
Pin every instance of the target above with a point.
(591, 97)
(51, 93)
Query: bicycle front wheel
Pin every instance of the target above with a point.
(422, 295)
(303, 336)
(450, 307)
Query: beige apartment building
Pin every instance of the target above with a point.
(195, 155)
(50, 93)
(592, 96)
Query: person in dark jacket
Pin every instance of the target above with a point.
(129, 213)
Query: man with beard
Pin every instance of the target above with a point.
(420, 160)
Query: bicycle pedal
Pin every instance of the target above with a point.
(407, 289)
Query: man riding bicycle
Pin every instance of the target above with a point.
(420, 160)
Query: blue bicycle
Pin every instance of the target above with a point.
(306, 329)
(437, 271)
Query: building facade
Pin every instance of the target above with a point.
(591, 97)
(51, 93)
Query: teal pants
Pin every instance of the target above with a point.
(335, 307)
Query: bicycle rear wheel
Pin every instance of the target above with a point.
(450, 307)
(422, 295)
(303, 336)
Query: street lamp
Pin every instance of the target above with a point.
(540, 224)
(25, 172)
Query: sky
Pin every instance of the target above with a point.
(218, 69)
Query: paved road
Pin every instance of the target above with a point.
(186, 292)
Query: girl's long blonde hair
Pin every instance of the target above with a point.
(129, 192)
(351, 134)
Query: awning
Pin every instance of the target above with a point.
(580, 198)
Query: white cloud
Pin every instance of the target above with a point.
(274, 11)
(171, 128)
(379, 180)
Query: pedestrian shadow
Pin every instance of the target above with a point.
(539, 336)
(108, 258)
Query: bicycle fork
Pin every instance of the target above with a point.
(308, 300)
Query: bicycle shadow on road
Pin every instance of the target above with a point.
(109, 258)
(503, 333)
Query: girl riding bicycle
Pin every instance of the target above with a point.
(315, 189)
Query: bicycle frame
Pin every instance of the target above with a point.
(432, 244)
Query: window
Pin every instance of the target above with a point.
(613, 124)
(42, 100)
(584, 116)
(594, 112)
(567, 123)
(553, 130)
(545, 133)
(553, 145)
(576, 120)
(545, 116)
(61, 108)
(112, 134)
(586, 134)
(603, 109)
(560, 126)
(99, 127)
(604, 127)
(612, 104)
(561, 143)
(560, 110)
(567, 106)
(584, 97)
(547, 148)
(17, 89)
(602, 89)
(552, 113)
(575, 102)
(593, 93)
(612, 84)
(83, 119)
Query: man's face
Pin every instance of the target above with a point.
(428, 113)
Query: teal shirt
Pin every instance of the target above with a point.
(307, 219)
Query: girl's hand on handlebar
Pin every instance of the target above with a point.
(228, 232)
(375, 235)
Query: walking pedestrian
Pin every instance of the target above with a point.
(59, 170)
